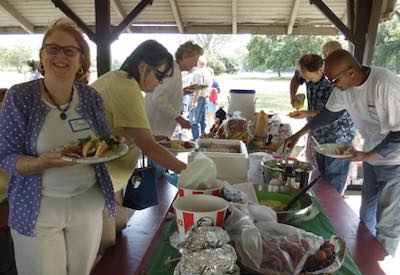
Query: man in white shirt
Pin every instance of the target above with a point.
(371, 96)
(164, 106)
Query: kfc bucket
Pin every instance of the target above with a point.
(198, 210)
(215, 190)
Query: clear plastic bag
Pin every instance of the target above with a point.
(264, 246)
(255, 173)
(245, 236)
(237, 127)
(286, 248)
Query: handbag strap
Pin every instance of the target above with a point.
(144, 162)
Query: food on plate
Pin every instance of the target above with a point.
(324, 257)
(274, 204)
(344, 149)
(92, 147)
(195, 87)
(177, 144)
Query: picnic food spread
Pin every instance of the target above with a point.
(177, 144)
(92, 147)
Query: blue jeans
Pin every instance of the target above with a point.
(334, 171)
(197, 118)
(380, 204)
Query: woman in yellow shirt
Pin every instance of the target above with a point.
(147, 66)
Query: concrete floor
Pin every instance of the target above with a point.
(353, 199)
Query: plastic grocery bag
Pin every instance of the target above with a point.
(200, 174)
(286, 248)
(255, 173)
(245, 235)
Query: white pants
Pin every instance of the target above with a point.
(67, 236)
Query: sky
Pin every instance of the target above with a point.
(122, 47)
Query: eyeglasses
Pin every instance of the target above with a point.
(335, 79)
(159, 75)
(54, 49)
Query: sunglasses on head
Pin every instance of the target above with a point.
(159, 75)
(54, 49)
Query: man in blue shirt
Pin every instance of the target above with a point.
(340, 131)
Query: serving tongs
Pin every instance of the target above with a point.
(301, 192)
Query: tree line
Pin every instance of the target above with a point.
(278, 53)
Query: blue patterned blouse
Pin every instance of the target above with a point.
(341, 130)
(21, 119)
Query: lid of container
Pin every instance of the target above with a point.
(240, 91)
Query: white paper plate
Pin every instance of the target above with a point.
(162, 142)
(123, 149)
(329, 150)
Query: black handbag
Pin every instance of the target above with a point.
(141, 190)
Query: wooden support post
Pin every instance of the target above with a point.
(103, 36)
(372, 31)
(103, 41)
(363, 12)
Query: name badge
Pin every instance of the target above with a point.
(78, 125)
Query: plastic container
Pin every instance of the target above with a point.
(231, 167)
(243, 101)
(284, 194)
(286, 168)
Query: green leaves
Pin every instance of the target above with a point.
(16, 57)
(280, 52)
(387, 49)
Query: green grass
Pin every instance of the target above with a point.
(283, 78)
(272, 93)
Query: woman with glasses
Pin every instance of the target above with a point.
(55, 206)
(341, 131)
(147, 66)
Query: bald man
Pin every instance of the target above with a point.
(371, 96)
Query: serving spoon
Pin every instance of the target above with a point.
(302, 191)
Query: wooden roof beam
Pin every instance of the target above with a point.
(74, 17)
(22, 21)
(116, 5)
(128, 19)
(350, 15)
(293, 16)
(334, 19)
(177, 15)
(234, 16)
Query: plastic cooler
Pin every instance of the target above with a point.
(243, 101)
(231, 167)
